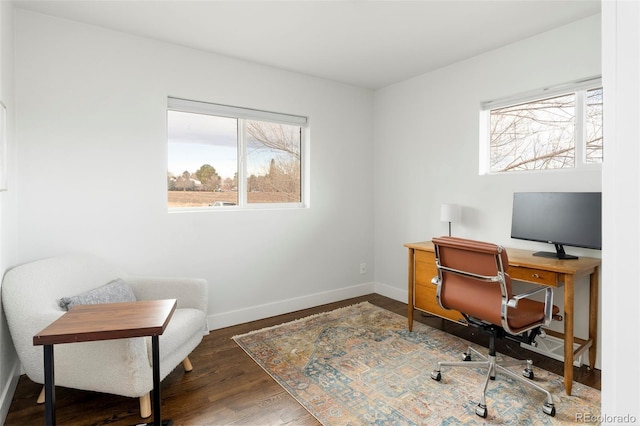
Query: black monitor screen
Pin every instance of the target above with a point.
(560, 218)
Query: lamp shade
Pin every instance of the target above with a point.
(450, 213)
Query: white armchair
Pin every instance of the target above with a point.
(30, 295)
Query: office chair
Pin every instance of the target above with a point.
(472, 280)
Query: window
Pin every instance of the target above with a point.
(228, 157)
(556, 128)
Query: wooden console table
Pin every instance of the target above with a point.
(523, 266)
(87, 323)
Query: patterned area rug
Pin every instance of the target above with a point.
(360, 365)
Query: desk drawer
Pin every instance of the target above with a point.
(533, 275)
(425, 292)
(425, 300)
(425, 267)
(425, 256)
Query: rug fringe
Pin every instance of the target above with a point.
(273, 327)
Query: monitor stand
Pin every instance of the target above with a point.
(559, 254)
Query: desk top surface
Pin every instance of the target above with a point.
(85, 323)
(526, 259)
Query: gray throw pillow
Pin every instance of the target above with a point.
(113, 292)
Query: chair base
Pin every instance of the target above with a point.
(494, 366)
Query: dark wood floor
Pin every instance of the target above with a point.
(226, 386)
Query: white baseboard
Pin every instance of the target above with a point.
(392, 292)
(9, 390)
(252, 313)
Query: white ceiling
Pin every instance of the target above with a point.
(364, 43)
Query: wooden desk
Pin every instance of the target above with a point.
(86, 323)
(523, 266)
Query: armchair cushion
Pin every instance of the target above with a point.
(113, 292)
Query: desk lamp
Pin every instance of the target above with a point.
(450, 213)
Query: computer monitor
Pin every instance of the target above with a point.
(558, 218)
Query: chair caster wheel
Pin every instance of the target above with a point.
(549, 409)
(435, 375)
(466, 357)
(481, 410)
(528, 373)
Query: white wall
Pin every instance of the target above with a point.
(80, 188)
(621, 213)
(9, 365)
(426, 151)
(91, 128)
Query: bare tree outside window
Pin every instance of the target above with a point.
(273, 153)
(594, 147)
(534, 136)
(541, 134)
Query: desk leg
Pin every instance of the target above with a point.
(411, 272)
(593, 318)
(568, 332)
(49, 387)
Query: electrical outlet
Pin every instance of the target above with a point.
(363, 268)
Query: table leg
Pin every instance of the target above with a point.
(568, 332)
(155, 348)
(155, 357)
(411, 272)
(593, 318)
(49, 387)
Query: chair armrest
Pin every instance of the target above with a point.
(548, 302)
(513, 302)
(189, 292)
(119, 366)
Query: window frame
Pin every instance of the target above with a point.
(242, 115)
(579, 88)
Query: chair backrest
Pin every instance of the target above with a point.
(30, 294)
(473, 277)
